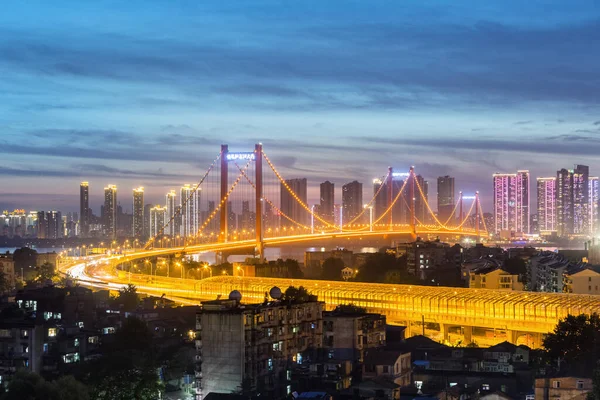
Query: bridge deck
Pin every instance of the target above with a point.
(511, 310)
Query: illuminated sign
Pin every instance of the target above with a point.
(400, 174)
(241, 156)
(468, 197)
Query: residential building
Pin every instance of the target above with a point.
(110, 211)
(349, 331)
(546, 206)
(586, 281)
(352, 202)
(254, 347)
(84, 209)
(594, 198)
(190, 205)
(327, 201)
(7, 267)
(511, 202)
(423, 257)
(573, 201)
(563, 388)
(50, 225)
(138, 212)
(171, 212)
(548, 271)
(393, 364)
(290, 205)
(445, 198)
(157, 220)
(492, 277)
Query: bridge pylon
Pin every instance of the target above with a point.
(260, 244)
(390, 197)
(224, 214)
(477, 216)
(413, 225)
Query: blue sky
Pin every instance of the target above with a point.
(143, 93)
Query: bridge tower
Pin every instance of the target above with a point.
(413, 227)
(390, 196)
(260, 245)
(224, 214)
(460, 202)
(477, 215)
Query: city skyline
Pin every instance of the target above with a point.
(340, 82)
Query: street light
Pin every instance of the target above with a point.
(241, 270)
(179, 265)
(206, 267)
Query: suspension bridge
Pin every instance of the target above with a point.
(275, 212)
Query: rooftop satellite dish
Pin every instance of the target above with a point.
(235, 295)
(275, 293)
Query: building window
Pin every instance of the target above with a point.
(70, 358)
(76, 342)
(80, 324)
(47, 315)
(5, 333)
(276, 347)
(270, 364)
(51, 332)
(580, 385)
(93, 339)
(25, 348)
(299, 358)
(556, 384)
(485, 386)
(24, 333)
(289, 375)
(45, 348)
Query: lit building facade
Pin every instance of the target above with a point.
(546, 205)
(110, 211)
(594, 197)
(171, 209)
(511, 202)
(445, 197)
(190, 202)
(573, 201)
(157, 220)
(138, 212)
(84, 209)
(352, 201)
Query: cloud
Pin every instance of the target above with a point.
(523, 122)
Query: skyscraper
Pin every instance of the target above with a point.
(546, 205)
(511, 202)
(110, 211)
(84, 209)
(290, 206)
(573, 201)
(138, 212)
(581, 200)
(352, 201)
(157, 220)
(327, 191)
(522, 211)
(190, 201)
(594, 197)
(171, 207)
(445, 198)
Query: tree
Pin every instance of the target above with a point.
(595, 393)
(297, 295)
(127, 298)
(25, 258)
(128, 366)
(350, 309)
(377, 265)
(5, 284)
(293, 268)
(332, 269)
(575, 341)
(46, 272)
(31, 386)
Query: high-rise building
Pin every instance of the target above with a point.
(50, 225)
(157, 220)
(522, 210)
(445, 198)
(327, 191)
(594, 197)
(110, 211)
(352, 201)
(190, 202)
(381, 198)
(84, 209)
(573, 201)
(581, 200)
(290, 206)
(546, 205)
(138, 212)
(171, 207)
(147, 208)
(511, 202)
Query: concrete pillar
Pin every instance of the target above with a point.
(467, 334)
(512, 336)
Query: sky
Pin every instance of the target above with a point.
(143, 93)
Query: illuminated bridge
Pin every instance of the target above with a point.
(271, 209)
